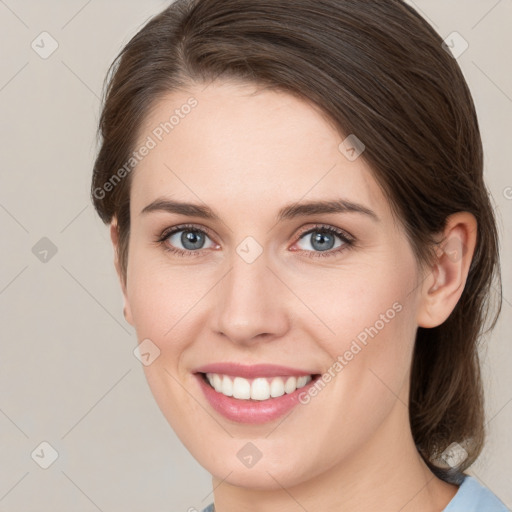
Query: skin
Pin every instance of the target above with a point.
(247, 152)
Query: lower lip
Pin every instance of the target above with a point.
(251, 411)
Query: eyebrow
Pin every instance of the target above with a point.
(287, 212)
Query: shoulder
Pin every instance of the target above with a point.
(474, 497)
(209, 508)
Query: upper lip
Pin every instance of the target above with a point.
(251, 371)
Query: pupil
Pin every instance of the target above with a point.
(193, 238)
(321, 239)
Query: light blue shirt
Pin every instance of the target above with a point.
(471, 497)
(474, 497)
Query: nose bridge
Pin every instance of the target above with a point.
(250, 301)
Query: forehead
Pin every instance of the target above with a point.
(238, 148)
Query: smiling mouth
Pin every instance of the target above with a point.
(257, 389)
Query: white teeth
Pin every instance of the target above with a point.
(302, 381)
(217, 382)
(290, 385)
(276, 388)
(261, 388)
(241, 388)
(226, 388)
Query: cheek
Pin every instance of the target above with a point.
(165, 301)
(162, 298)
(369, 358)
(356, 304)
(367, 329)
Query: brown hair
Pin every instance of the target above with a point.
(378, 70)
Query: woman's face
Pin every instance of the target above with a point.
(255, 287)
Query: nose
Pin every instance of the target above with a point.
(251, 303)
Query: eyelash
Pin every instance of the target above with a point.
(348, 240)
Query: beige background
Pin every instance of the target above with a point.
(68, 375)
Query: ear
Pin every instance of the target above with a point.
(443, 287)
(114, 236)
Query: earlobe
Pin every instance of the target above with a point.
(127, 312)
(443, 288)
(114, 236)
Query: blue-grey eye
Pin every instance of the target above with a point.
(190, 239)
(321, 240)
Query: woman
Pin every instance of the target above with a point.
(306, 248)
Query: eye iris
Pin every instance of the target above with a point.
(193, 237)
(321, 238)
